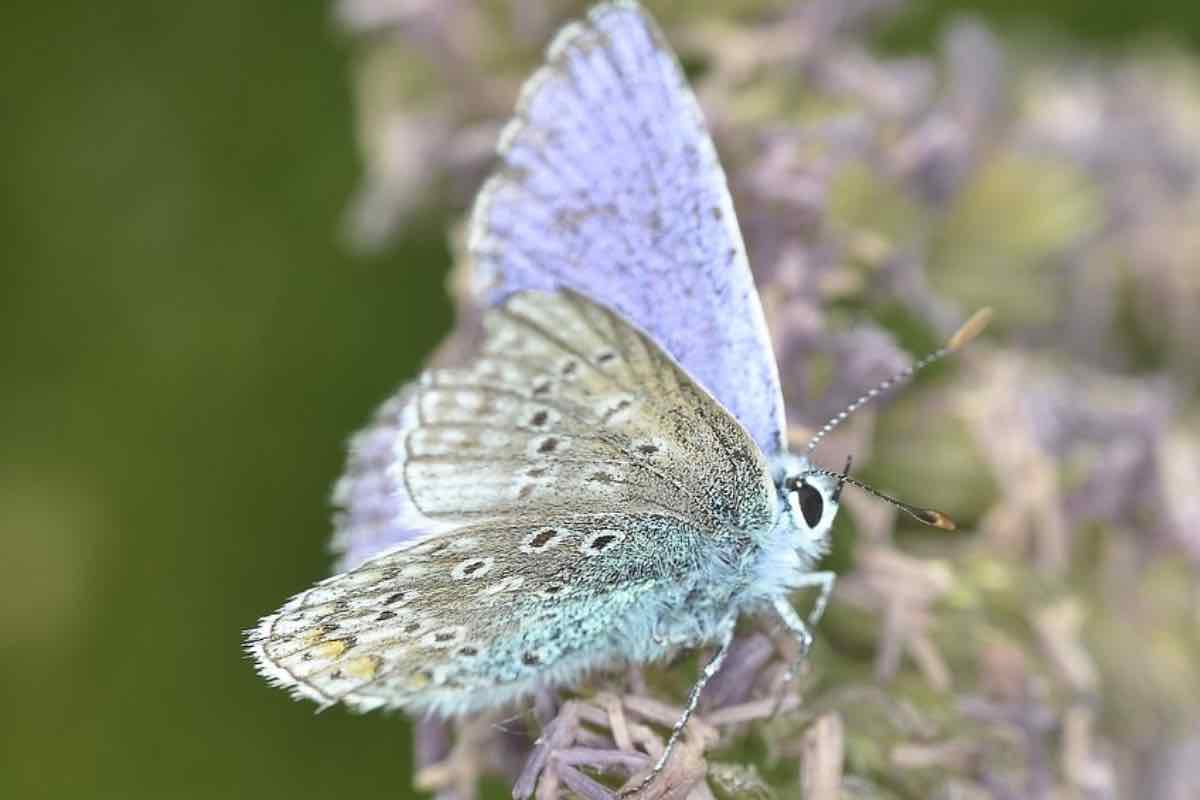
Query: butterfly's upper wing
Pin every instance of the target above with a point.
(567, 407)
(581, 480)
(564, 407)
(609, 184)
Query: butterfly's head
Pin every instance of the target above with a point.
(809, 498)
(812, 501)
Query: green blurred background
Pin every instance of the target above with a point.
(186, 344)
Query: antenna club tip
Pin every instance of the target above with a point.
(937, 519)
(970, 329)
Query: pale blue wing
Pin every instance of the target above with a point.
(609, 184)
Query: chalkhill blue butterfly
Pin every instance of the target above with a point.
(606, 480)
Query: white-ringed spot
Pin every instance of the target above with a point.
(542, 539)
(600, 541)
(472, 568)
(548, 446)
(540, 418)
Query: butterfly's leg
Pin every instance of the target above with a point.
(710, 669)
(801, 630)
(824, 582)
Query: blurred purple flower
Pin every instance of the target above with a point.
(1060, 187)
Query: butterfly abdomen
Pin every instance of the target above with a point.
(562, 642)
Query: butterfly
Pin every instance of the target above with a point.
(606, 479)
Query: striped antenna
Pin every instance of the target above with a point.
(969, 330)
(926, 516)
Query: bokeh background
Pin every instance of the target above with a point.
(193, 320)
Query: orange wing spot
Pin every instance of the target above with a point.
(331, 649)
(362, 667)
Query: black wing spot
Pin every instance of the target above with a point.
(602, 541)
(543, 538)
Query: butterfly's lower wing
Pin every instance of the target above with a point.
(471, 620)
(610, 185)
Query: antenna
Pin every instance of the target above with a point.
(837, 493)
(969, 330)
(927, 516)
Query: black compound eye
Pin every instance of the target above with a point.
(812, 506)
